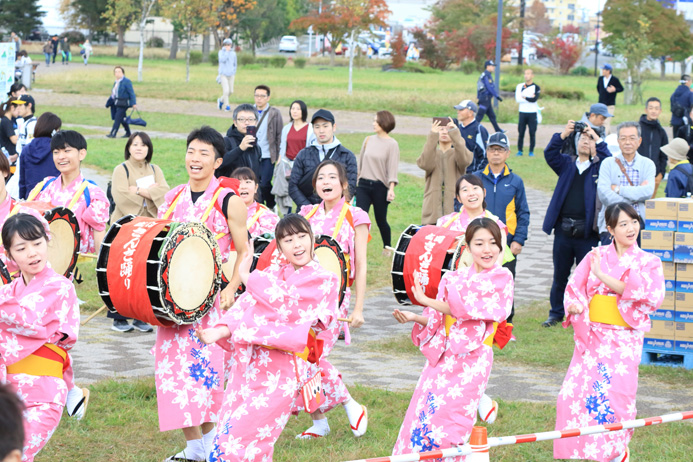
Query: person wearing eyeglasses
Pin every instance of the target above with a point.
(626, 177)
(242, 149)
(269, 138)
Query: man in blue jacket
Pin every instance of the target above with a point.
(571, 213)
(681, 103)
(485, 92)
(505, 197)
(122, 97)
(680, 169)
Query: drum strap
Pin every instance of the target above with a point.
(452, 220)
(173, 204)
(344, 213)
(260, 211)
(82, 189)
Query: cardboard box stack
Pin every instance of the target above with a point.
(668, 234)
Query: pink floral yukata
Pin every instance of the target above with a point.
(325, 223)
(190, 374)
(271, 319)
(43, 312)
(602, 379)
(461, 221)
(92, 217)
(261, 220)
(443, 409)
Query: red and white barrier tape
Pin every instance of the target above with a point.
(533, 437)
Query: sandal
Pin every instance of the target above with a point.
(361, 424)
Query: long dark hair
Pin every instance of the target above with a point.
(145, 140)
(304, 110)
(290, 224)
(341, 171)
(27, 226)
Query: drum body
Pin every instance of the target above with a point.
(159, 271)
(430, 251)
(5, 277)
(327, 251)
(227, 268)
(63, 247)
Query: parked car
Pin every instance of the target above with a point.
(288, 43)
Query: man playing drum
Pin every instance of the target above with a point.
(190, 374)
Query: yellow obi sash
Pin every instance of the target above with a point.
(312, 341)
(604, 309)
(49, 360)
(449, 321)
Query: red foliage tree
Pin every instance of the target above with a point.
(477, 43)
(563, 54)
(399, 56)
(432, 51)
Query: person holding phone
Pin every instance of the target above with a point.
(444, 159)
(242, 149)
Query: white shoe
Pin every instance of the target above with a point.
(77, 402)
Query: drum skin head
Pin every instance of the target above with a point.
(328, 260)
(191, 273)
(60, 247)
(227, 267)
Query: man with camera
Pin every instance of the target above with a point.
(595, 119)
(572, 211)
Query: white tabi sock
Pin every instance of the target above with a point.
(195, 450)
(208, 441)
(319, 428)
(357, 415)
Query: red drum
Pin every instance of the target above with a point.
(63, 247)
(430, 251)
(327, 251)
(159, 271)
(5, 277)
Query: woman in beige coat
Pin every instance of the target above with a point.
(138, 188)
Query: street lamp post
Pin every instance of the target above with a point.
(499, 38)
(596, 43)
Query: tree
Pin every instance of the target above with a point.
(228, 17)
(262, 22)
(196, 16)
(563, 53)
(20, 17)
(121, 14)
(85, 14)
(399, 56)
(536, 19)
(432, 51)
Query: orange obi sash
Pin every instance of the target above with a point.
(313, 350)
(500, 336)
(49, 360)
(604, 309)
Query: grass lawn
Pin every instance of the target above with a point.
(318, 85)
(128, 409)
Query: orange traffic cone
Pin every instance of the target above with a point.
(479, 443)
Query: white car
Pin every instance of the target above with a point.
(288, 43)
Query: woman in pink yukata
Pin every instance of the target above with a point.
(39, 323)
(260, 220)
(349, 226)
(281, 308)
(608, 302)
(451, 334)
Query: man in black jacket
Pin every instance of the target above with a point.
(681, 103)
(653, 138)
(326, 146)
(242, 149)
(607, 87)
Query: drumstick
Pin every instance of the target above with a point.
(89, 255)
(93, 315)
(344, 320)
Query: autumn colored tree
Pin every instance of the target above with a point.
(262, 21)
(121, 14)
(477, 43)
(563, 53)
(399, 56)
(228, 17)
(536, 19)
(340, 18)
(432, 51)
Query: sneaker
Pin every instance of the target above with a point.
(142, 326)
(531, 154)
(120, 325)
(519, 154)
(551, 322)
(77, 402)
(227, 108)
(220, 103)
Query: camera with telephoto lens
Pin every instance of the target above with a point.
(580, 127)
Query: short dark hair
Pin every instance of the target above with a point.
(145, 140)
(244, 173)
(208, 135)
(68, 138)
(27, 226)
(4, 167)
(292, 223)
(46, 124)
(484, 223)
(653, 99)
(614, 210)
(245, 107)
(341, 171)
(22, 53)
(11, 423)
(304, 109)
(386, 120)
(473, 180)
(119, 67)
(263, 87)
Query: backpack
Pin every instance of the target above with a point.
(689, 183)
(677, 110)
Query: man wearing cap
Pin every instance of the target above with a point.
(607, 87)
(595, 119)
(681, 104)
(680, 182)
(473, 133)
(227, 73)
(485, 92)
(653, 138)
(625, 177)
(571, 214)
(325, 146)
(26, 107)
(505, 197)
(526, 95)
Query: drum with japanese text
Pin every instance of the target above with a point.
(159, 271)
(430, 251)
